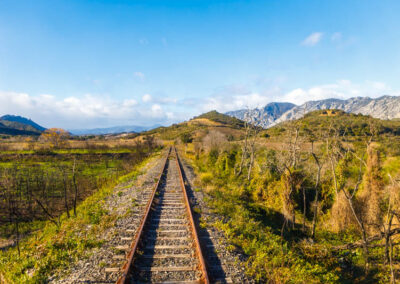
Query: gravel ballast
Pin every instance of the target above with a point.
(127, 202)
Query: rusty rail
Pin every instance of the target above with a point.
(131, 256)
(192, 224)
(135, 243)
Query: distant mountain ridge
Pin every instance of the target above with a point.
(265, 116)
(18, 125)
(23, 120)
(112, 130)
(385, 107)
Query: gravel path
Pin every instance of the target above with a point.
(127, 202)
(224, 265)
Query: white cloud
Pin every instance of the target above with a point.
(225, 103)
(342, 89)
(79, 112)
(98, 111)
(156, 108)
(380, 86)
(129, 103)
(230, 98)
(147, 98)
(139, 75)
(336, 36)
(312, 39)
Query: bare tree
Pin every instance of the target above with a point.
(393, 203)
(244, 148)
(319, 165)
(65, 186)
(338, 150)
(75, 185)
(254, 131)
(214, 140)
(291, 177)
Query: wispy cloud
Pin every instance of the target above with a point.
(312, 39)
(234, 97)
(341, 89)
(143, 41)
(139, 75)
(337, 36)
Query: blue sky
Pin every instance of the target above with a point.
(78, 64)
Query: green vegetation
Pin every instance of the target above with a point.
(16, 125)
(312, 200)
(254, 227)
(199, 126)
(186, 138)
(348, 124)
(55, 246)
(321, 206)
(40, 185)
(223, 119)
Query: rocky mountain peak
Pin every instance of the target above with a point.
(384, 107)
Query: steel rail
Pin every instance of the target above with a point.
(203, 268)
(135, 243)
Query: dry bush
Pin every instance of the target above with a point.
(214, 140)
(373, 192)
(342, 217)
(4, 146)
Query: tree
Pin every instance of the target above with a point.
(186, 137)
(244, 149)
(392, 204)
(56, 137)
(150, 142)
(214, 140)
(319, 164)
(292, 177)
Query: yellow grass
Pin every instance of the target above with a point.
(329, 112)
(203, 121)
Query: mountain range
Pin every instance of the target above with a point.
(112, 130)
(18, 125)
(385, 107)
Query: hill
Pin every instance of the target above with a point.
(199, 126)
(346, 123)
(22, 120)
(385, 107)
(18, 125)
(222, 119)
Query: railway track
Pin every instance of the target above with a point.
(166, 248)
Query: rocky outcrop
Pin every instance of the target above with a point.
(385, 107)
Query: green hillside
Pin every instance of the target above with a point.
(22, 120)
(198, 126)
(17, 125)
(223, 119)
(348, 124)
